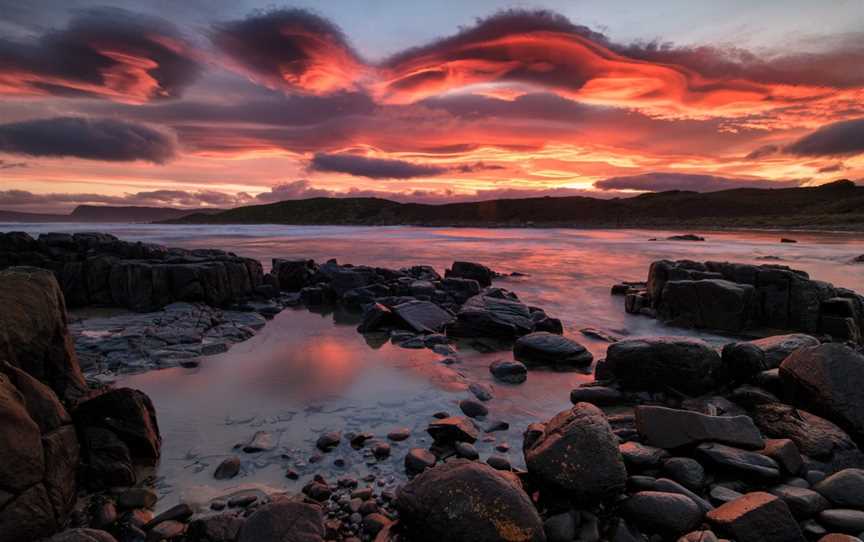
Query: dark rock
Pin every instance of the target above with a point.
(469, 270)
(452, 429)
(708, 303)
(284, 520)
(481, 391)
(423, 316)
(685, 237)
(137, 497)
(398, 435)
(600, 334)
(778, 347)
(461, 289)
(466, 451)
(596, 395)
(82, 535)
(743, 361)
(499, 462)
(130, 415)
(577, 452)
(454, 502)
(376, 317)
(721, 495)
(107, 461)
(785, 453)
(381, 450)
(487, 316)
(374, 523)
(328, 441)
(668, 514)
(166, 530)
(560, 527)
(512, 372)
(740, 462)
(843, 520)
(261, 441)
(659, 363)
(685, 471)
(756, 517)
(829, 380)
(845, 489)
(179, 512)
(670, 428)
(419, 460)
(473, 409)
(641, 456)
(802, 502)
(666, 485)
(548, 349)
(813, 435)
(228, 468)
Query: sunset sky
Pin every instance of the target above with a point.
(224, 103)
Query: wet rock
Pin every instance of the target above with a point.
(756, 517)
(845, 489)
(398, 435)
(469, 270)
(228, 468)
(466, 451)
(778, 347)
(261, 441)
(488, 316)
(576, 451)
(814, 436)
(685, 237)
(452, 429)
(473, 409)
(499, 462)
(216, 528)
(512, 372)
(829, 380)
(375, 318)
(640, 456)
(454, 502)
(496, 425)
(548, 349)
(834, 537)
(686, 471)
(785, 453)
(419, 460)
(422, 316)
(802, 502)
(658, 363)
(481, 391)
(596, 395)
(600, 334)
(179, 512)
(721, 495)
(671, 428)
(668, 514)
(284, 520)
(381, 450)
(293, 275)
(708, 303)
(740, 462)
(328, 441)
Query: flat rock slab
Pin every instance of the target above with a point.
(549, 349)
(423, 316)
(741, 462)
(756, 517)
(671, 428)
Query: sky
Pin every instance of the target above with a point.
(216, 103)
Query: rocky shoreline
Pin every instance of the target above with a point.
(674, 440)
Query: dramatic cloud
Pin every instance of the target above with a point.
(660, 182)
(374, 168)
(837, 139)
(290, 49)
(763, 152)
(92, 139)
(106, 52)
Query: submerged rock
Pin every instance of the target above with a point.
(512, 372)
(549, 349)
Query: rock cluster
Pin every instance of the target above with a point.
(739, 297)
(99, 269)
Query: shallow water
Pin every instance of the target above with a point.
(307, 373)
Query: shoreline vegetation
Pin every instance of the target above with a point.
(675, 439)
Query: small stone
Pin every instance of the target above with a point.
(473, 409)
(381, 450)
(398, 435)
(328, 441)
(785, 453)
(499, 462)
(453, 429)
(560, 528)
(669, 514)
(512, 372)
(179, 512)
(802, 502)
(481, 391)
(262, 441)
(228, 468)
(373, 523)
(468, 451)
(292, 474)
(419, 460)
(642, 456)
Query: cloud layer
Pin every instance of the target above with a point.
(663, 181)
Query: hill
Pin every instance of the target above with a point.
(838, 205)
(104, 213)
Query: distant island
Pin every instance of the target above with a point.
(834, 206)
(105, 213)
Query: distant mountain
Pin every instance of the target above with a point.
(838, 205)
(105, 213)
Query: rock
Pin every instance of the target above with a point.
(843, 520)
(708, 303)
(381, 450)
(778, 347)
(464, 501)
(423, 316)
(466, 451)
(560, 528)
(756, 517)
(82, 535)
(293, 275)
(596, 395)
(228, 468)
(668, 514)
(398, 435)
(284, 520)
(499, 462)
(845, 489)
(487, 316)
(685, 237)
(179, 512)
(785, 453)
(670, 428)
(829, 380)
(802, 502)
(659, 363)
(473, 409)
(686, 471)
(577, 452)
(374, 523)
(35, 337)
(512, 372)
(666, 485)
(328, 441)
(721, 495)
(137, 497)
(740, 462)
(375, 318)
(419, 460)
(166, 530)
(481, 391)
(834, 537)
(743, 361)
(600, 334)
(460, 289)
(813, 435)
(640, 456)
(452, 429)
(216, 528)
(469, 270)
(261, 441)
(699, 536)
(549, 349)
(128, 414)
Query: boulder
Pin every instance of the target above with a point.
(33, 331)
(708, 304)
(671, 428)
(829, 380)
(659, 363)
(743, 361)
(293, 275)
(284, 520)
(549, 349)
(466, 501)
(469, 270)
(814, 436)
(422, 316)
(512, 372)
(577, 452)
(417, 460)
(778, 347)
(845, 489)
(128, 414)
(657, 512)
(756, 517)
(487, 316)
